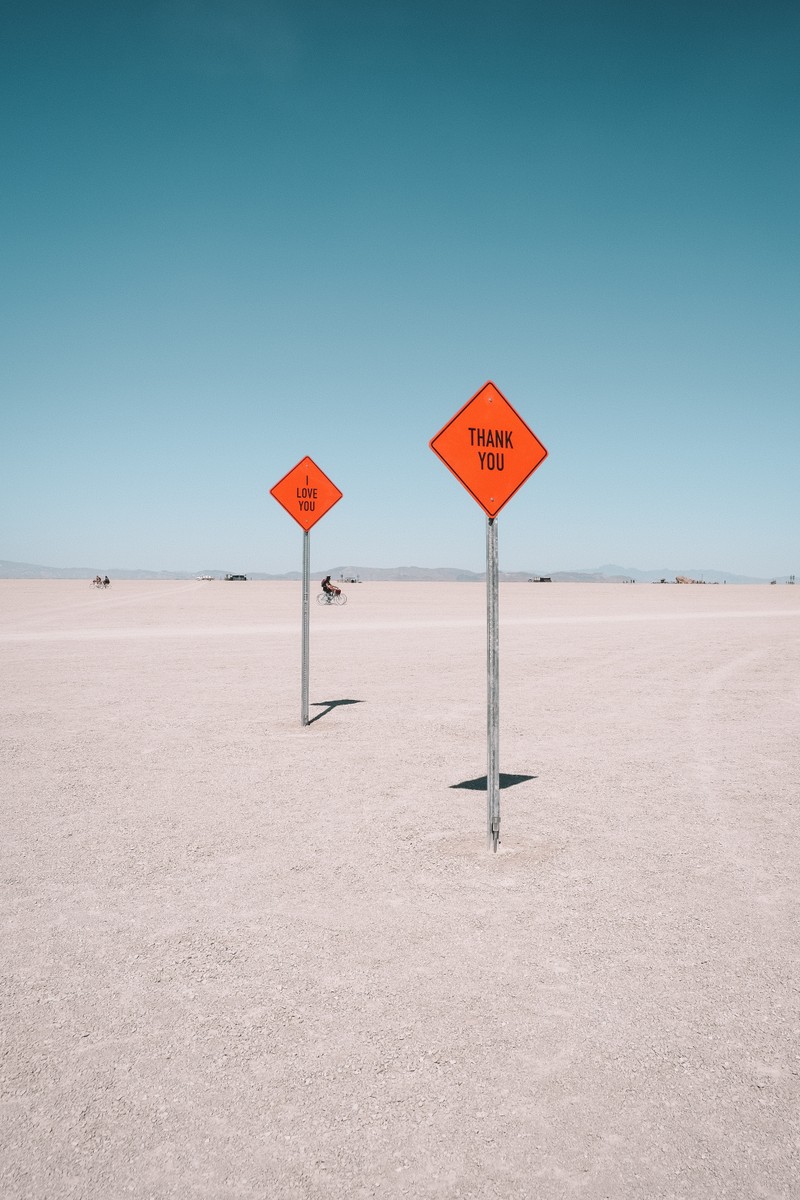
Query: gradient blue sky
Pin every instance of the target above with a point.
(236, 233)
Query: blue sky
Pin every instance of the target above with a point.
(238, 233)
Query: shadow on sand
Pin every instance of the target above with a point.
(328, 706)
(479, 784)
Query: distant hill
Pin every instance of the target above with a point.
(614, 571)
(15, 570)
(451, 575)
(609, 573)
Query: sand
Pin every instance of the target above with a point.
(249, 959)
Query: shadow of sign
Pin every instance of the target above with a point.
(479, 784)
(328, 706)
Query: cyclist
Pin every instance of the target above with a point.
(330, 589)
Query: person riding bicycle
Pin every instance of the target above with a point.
(330, 589)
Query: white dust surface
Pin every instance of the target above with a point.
(245, 958)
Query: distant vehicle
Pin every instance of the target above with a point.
(232, 577)
(541, 579)
(205, 576)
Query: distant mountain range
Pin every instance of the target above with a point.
(612, 571)
(608, 573)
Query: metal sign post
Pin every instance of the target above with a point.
(306, 627)
(307, 494)
(492, 452)
(492, 687)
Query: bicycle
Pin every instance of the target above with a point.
(331, 598)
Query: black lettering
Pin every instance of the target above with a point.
(482, 457)
(491, 437)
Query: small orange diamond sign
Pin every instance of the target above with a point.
(306, 493)
(489, 449)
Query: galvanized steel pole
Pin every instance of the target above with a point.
(304, 664)
(493, 687)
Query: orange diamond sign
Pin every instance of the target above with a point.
(306, 493)
(489, 449)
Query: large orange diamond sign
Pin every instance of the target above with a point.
(489, 449)
(306, 493)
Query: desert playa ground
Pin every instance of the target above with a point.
(249, 959)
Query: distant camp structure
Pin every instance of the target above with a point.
(541, 579)
(243, 578)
